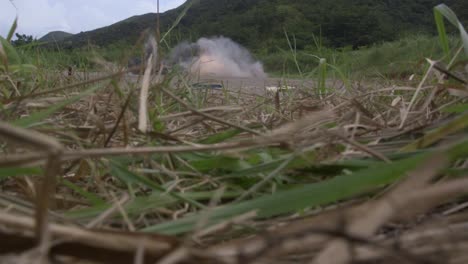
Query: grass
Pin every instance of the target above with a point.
(392, 60)
(228, 174)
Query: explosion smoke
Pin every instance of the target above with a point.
(219, 57)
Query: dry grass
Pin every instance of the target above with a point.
(360, 172)
(76, 142)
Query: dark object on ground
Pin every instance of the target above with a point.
(207, 86)
(134, 64)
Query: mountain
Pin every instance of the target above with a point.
(262, 25)
(55, 36)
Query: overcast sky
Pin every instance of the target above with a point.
(38, 17)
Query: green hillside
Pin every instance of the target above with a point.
(261, 24)
(55, 36)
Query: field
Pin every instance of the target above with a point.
(339, 157)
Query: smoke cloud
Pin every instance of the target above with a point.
(219, 57)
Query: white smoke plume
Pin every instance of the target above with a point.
(219, 57)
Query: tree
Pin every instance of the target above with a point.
(22, 39)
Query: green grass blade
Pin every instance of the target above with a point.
(456, 109)
(92, 198)
(139, 205)
(22, 68)
(15, 172)
(10, 52)
(213, 163)
(88, 213)
(177, 21)
(221, 137)
(326, 192)
(347, 84)
(464, 37)
(322, 193)
(265, 167)
(439, 133)
(12, 29)
(441, 11)
(3, 57)
(127, 177)
(293, 50)
(443, 39)
(445, 11)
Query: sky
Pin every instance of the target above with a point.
(38, 17)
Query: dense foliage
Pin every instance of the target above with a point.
(22, 39)
(262, 25)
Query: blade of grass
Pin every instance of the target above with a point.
(127, 176)
(301, 161)
(456, 109)
(10, 52)
(3, 58)
(91, 197)
(439, 133)
(177, 21)
(12, 30)
(445, 11)
(6, 173)
(221, 137)
(139, 205)
(299, 198)
(212, 163)
(293, 52)
(443, 38)
(326, 192)
(265, 180)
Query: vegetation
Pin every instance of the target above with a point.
(260, 25)
(22, 39)
(391, 60)
(397, 34)
(114, 168)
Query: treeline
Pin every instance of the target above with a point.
(262, 25)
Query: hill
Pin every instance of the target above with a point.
(262, 24)
(55, 36)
